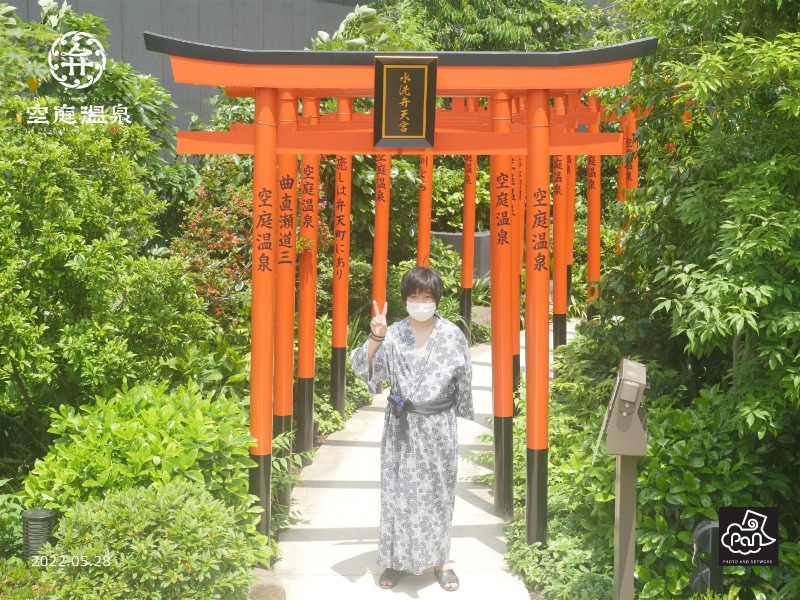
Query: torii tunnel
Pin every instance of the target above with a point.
(533, 110)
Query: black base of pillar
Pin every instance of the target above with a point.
(282, 424)
(569, 285)
(304, 437)
(536, 497)
(466, 313)
(503, 467)
(559, 330)
(261, 485)
(591, 312)
(338, 366)
(515, 361)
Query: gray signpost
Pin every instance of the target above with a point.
(625, 429)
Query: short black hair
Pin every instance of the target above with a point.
(422, 279)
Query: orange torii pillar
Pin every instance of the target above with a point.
(341, 266)
(265, 192)
(628, 174)
(309, 226)
(623, 173)
(468, 244)
(537, 296)
(516, 284)
(285, 281)
(501, 235)
(425, 208)
(522, 165)
(632, 152)
(560, 240)
(468, 235)
(380, 252)
(621, 169)
(573, 101)
(594, 169)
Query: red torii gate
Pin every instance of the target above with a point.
(277, 79)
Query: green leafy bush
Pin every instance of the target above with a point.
(218, 367)
(328, 419)
(84, 305)
(169, 540)
(699, 459)
(448, 196)
(143, 435)
(214, 239)
(18, 582)
(10, 525)
(360, 294)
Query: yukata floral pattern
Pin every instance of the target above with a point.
(418, 476)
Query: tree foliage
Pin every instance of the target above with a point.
(399, 26)
(708, 278)
(515, 25)
(87, 298)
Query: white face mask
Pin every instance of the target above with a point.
(421, 311)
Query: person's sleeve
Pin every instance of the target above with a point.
(359, 361)
(464, 406)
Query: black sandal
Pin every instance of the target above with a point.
(445, 576)
(390, 575)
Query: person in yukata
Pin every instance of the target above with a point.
(426, 359)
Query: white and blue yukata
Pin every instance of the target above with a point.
(418, 475)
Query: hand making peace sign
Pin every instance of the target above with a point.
(378, 323)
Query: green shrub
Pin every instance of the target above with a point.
(328, 419)
(10, 525)
(18, 582)
(85, 301)
(698, 460)
(215, 365)
(567, 568)
(143, 435)
(448, 195)
(165, 541)
(360, 286)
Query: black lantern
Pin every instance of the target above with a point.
(708, 574)
(37, 528)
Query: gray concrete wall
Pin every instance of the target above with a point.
(256, 24)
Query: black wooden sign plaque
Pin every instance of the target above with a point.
(405, 101)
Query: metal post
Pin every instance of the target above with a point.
(625, 428)
(625, 527)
